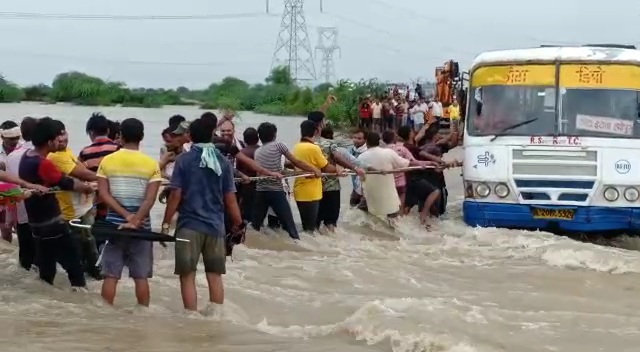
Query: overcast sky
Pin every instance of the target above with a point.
(397, 40)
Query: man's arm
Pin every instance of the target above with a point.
(104, 194)
(327, 103)
(9, 178)
(420, 135)
(82, 173)
(251, 164)
(175, 196)
(52, 177)
(150, 196)
(70, 167)
(295, 161)
(340, 159)
(165, 159)
(319, 159)
(229, 195)
(398, 161)
(344, 162)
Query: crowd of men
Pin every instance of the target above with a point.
(212, 180)
(396, 110)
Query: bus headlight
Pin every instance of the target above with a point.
(611, 194)
(502, 190)
(483, 190)
(631, 194)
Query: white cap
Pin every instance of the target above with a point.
(11, 132)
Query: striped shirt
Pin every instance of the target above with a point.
(269, 156)
(129, 172)
(92, 155)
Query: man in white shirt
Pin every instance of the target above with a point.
(376, 114)
(380, 190)
(418, 114)
(10, 133)
(25, 239)
(438, 113)
(437, 109)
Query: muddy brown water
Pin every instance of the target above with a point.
(364, 288)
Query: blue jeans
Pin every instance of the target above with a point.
(277, 200)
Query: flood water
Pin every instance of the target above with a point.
(365, 288)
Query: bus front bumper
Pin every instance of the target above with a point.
(520, 216)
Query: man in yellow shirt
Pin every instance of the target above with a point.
(454, 114)
(308, 191)
(454, 111)
(68, 164)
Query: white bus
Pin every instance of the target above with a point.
(552, 140)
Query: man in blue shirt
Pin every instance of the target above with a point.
(202, 190)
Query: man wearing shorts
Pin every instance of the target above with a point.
(128, 184)
(202, 190)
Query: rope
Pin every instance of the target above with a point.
(325, 174)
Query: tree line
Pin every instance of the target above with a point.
(279, 95)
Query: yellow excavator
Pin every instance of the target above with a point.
(451, 86)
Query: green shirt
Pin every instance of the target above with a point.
(328, 147)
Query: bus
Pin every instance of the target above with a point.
(552, 140)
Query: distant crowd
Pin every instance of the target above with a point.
(409, 108)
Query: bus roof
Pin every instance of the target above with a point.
(552, 54)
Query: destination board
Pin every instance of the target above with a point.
(600, 76)
(514, 75)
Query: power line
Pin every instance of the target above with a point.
(59, 16)
(390, 34)
(293, 48)
(421, 16)
(328, 45)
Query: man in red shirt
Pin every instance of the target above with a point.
(365, 114)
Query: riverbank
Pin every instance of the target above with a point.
(279, 96)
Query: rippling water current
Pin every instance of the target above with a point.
(453, 288)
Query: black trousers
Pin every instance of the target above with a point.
(309, 214)
(246, 197)
(87, 249)
(329, 209)
(55, 245)
(27, 250)
(276, 200)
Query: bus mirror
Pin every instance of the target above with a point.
(549, 98)
(478, 94)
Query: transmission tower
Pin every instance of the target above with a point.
(293, 48)
(327, 45)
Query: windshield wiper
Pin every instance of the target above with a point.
(512, 127)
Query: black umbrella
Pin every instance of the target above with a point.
(104, 230)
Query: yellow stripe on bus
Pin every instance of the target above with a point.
(514, 75)
(600, 76)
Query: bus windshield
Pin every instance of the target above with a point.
(595, 100)
(494, 108)
(600, 113)
(583, 112)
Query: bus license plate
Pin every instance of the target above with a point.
(563, 214)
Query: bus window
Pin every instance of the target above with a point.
(495, 108)
(601, 112)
